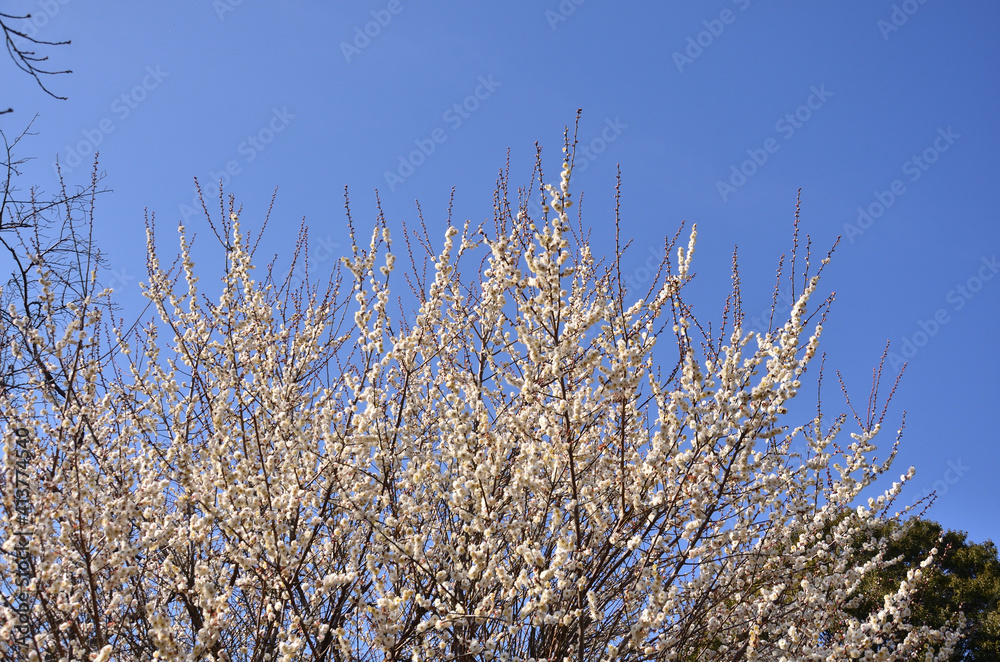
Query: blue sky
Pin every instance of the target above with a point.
(883, 113)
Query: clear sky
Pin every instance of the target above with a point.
(883, 113)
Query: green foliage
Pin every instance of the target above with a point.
(965, 577)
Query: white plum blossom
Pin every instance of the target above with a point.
(510, 473)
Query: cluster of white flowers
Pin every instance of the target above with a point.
(507, 476)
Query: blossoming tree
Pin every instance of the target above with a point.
(506, 474)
